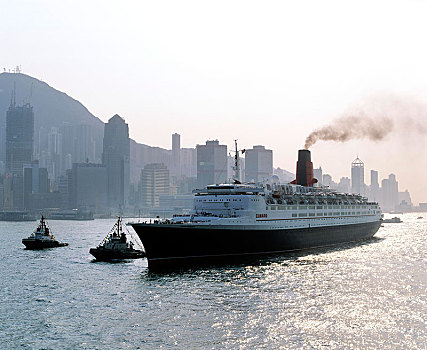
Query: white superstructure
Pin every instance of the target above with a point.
(276, 206)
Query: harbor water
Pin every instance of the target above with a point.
(370, 295)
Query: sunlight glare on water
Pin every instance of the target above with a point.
(370, 295)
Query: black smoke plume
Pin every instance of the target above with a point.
(350, 128)
(378, 117)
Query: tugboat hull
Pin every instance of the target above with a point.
(35, 244)
(102, 254)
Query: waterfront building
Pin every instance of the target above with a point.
(188, 158)
(327, 180)
(389, 193)
(154, 182)
(318, 174)
(54, 149)
(36, 183)
(115, 157)
(374, 188)
(358, 177)
(176, 154)
(258, 164)
(85, 144)
(211, 163)
(19, 148)
(89, 186)
(344, 185)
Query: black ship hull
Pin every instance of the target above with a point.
(172, 244)
(39, 244)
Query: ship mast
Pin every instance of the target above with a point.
(236, 166)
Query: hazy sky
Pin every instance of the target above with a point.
(266, 72)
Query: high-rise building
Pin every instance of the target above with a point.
(176, 154)
(358, 177)
(318, 174)
(36, 183)
(54, 149)
(115, 157)
(344, 185)
(19, 148)
(85, 144)
(89, 186)
(374, 188)
(327, 180)
(188, 159)
(389, 193)
(154, 182)
(258, 164)
(211, 163)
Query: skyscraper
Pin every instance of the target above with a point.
(258, 164)
(116, 154)
(211, 163)
(318, 174)
(85, 144)
(176, 154)
(154, 182)
(19, 148)
(389, 193)
(19, 137)
(89, 184)
(358, 177)
(375, 187)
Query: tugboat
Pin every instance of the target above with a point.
(394, 220)
(115, 246)
(42, 238)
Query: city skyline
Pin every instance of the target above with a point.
(97, 186)
(286, 69)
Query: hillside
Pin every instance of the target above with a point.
(51, 107)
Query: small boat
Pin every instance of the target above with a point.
(395, 220)
(115, 246)
(420, 217)
(42, 238)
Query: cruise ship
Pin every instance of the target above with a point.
(237, 220)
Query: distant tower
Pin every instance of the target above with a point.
(358, 177)
(154, 182)
(211, 163)
(318, 174)
(19, 148)
(115, 157)
(375, 187)
(258, 164)
(176, 154)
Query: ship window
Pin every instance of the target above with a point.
(319, 214)
(311, 207)
(343, 213)
(302, 214)
(294, 215)
(302, 207)
(319, 207)
(312, 214)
